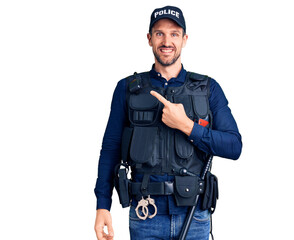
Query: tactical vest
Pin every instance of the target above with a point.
(151, 147)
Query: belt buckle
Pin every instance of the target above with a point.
(168, 188)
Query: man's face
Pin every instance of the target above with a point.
(167, 41)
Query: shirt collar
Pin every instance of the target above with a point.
(180, 78)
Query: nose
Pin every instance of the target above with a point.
(166, 40)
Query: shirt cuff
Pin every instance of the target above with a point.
(196, 134)
(103, 203)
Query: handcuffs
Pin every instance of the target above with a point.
(144, 203)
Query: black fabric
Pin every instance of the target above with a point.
(210, 193)
(183, 148)
(143, 116)
(155, 148)
(187, 103)
(126, 140)
(144, 184)
(197, 77)
(143, 101)
(153, 188)
(142, 146)
(186, 190)
(167, 150)
(143, 107)
(121, 183)
(136, 83)
(215, 194)
(200, 105)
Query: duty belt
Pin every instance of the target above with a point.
(158, 188)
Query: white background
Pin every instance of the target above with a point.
(59, 64)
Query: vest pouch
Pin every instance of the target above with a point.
(184, 148)
(143, 109)
(200, 105)
(210, 193)
(143, 145)
(187, 103)
(186, 190)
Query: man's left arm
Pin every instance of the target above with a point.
(224, 139)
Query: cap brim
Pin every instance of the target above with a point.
(166, 17)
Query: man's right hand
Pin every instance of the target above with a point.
(103, 218)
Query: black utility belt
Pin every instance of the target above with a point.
(160, 188)
(184, 188)
(185, 193)
(154, 188)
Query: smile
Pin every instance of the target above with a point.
(166, 50)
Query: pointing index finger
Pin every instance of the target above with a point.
(159, 97)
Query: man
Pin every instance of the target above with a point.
(164, 124)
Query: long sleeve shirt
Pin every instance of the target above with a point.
(223, 139)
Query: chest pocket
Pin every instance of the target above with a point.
(143, 109)
(144, 145)
(184, 148)
(200, 105)
(187, 103)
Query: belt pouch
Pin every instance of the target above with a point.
(210, 193)
(122, 188)
(186, 190)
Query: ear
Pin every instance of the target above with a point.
(149, 39)
(185, 38)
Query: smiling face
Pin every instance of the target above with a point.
(167, 40)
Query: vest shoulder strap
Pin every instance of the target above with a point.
(205, 80)
(196, 76)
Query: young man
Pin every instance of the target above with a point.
(164, 124)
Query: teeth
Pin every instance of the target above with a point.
(166, 51)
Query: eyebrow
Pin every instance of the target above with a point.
(176, 31)
(173, 31)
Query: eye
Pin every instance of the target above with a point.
(175, 34)
(159, 34)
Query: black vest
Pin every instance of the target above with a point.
(148, 145)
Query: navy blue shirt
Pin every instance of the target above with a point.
(223, 140)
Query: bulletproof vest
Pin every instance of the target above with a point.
(151, 147)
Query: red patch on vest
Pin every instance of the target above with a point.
(203, 122)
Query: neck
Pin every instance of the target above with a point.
(168, 72)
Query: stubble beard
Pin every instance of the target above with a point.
(166, 64)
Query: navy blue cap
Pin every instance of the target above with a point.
(169, 12)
